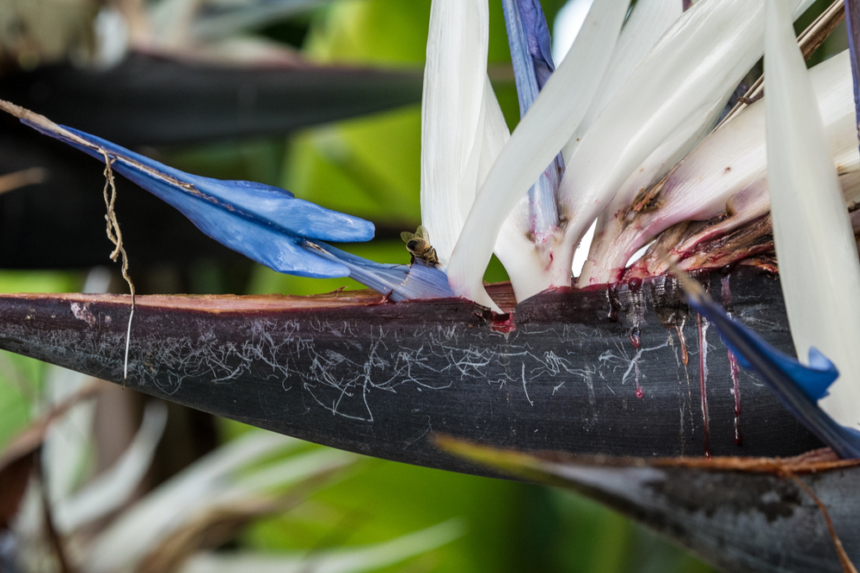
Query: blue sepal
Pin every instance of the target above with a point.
(531, 55)
(539, 39)
(265, 223)
(531, 48)
(399, 282)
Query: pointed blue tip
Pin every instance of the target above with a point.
(398, 282)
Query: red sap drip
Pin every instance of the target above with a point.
(634, 336)
(639, 392)
(702, 323)
(733, 361)
(736, 392)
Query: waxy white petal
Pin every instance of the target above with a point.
(454, 84)
(728, 173)
(537, 140)
(693, 67)
(522, 254)
(519, 255)
(614, 219)
(647, 23)
(817, 254)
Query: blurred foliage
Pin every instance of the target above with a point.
(20, 376)
(34, 32)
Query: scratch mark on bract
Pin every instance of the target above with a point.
(526, 390)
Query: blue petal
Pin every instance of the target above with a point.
(399, 282)
(539, 39)
(276, 250)
(265, 223)
(529, 40)
(852, 19)
(798, 387)
(531, 55)
(254, 201)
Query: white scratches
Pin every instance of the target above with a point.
(525, 388)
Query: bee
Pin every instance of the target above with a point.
(418, 243)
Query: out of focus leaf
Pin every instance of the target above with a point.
(31, 439)
(38, 31)
(14, 478)
(346, 560)
(218, 21)
(59, 224)
(740, 514)
(151, 101)
(108, 491)
(17, 460)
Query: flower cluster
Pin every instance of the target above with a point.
(621, 133)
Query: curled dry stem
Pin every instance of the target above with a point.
(115, 235)
(113, 231)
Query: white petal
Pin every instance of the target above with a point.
(454, 83)
(521, 257)
(699, 61)
(817, 254)
(603, 259)
(728, 172)
(495, 132)
(647, 23)
(537, 140)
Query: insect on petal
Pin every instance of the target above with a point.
(452, 109)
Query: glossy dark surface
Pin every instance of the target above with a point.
(379, 378)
